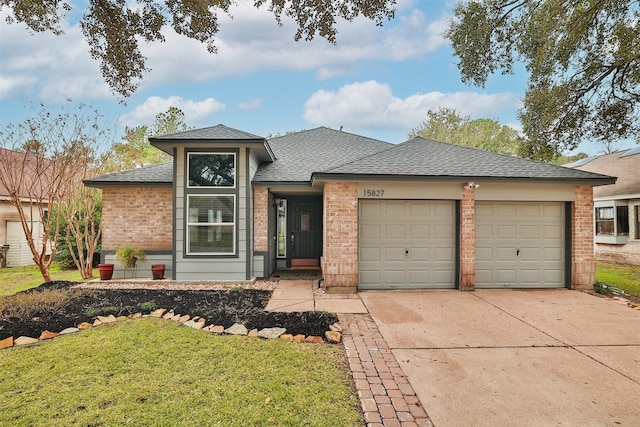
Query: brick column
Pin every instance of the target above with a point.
(468, 239)
(340, 243)
(260, 219)
(583, 262)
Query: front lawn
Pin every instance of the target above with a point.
(17, 279)
(622, 276)
(156, 372)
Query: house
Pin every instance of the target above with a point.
(616, 206)
(11, 231)
(372, 215)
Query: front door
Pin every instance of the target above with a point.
(305, 231)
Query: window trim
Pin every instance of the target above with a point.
(209, 187)
(615, 238)
(206, 224)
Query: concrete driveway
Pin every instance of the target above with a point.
(515, 357)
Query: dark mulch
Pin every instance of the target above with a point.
(218, 307)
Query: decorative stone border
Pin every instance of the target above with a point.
(334, 335)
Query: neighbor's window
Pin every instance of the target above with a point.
(212, 170)
(211, 224)
(612, 221)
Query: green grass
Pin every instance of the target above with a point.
(155, 372)
(17, 279)
(625, 277)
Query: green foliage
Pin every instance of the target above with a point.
(148, 306)
(18, 279)
(127, 255)
(135, 151)
(446, 125)
(622, 276)
(563, 160)
(114, 29)
(583, 60)
(102, 311)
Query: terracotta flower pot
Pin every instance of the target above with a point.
(106, 271)
(158, 271)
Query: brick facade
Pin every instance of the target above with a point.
(468, 239)
(138, 217)
(583, 263)
(340, 244)
(260, 219)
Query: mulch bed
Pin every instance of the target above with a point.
(220, 307)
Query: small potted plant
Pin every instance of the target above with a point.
(106, 271)
(128, 256)
(158, 271)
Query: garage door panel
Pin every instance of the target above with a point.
(520, 244)
(425, 228)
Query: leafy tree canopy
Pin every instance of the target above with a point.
(583, 59)
(114, 28)
(135, 151)
(446, 125)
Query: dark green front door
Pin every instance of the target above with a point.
(305, 231)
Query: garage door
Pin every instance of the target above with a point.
(407, 244)
(520, 245)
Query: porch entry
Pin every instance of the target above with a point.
(303, 231)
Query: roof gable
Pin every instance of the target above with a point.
(302, 153)
(625, 164)
(217, 132)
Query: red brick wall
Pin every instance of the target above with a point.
(138, 217)
(468, 239)
(340, 254)
(260, 219)
(583, 264)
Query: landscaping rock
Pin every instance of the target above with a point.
(69, 331)
(7, 342)
(136, 315)
(287, 337)
(24, 341)
(157, 313)
(271, 333)
(189, 323)
(335, 327)
(47, 335)
(198, 325)
(236, 329)
(97, 322)
(299, 338)
(121, 318)
(85, 325)
(107, 319)
(168, 315)
(333, 337)
(253, 333)
(314, 339)
(216, 329)
(184, 318)
(176, 317)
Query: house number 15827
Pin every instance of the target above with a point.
(373, 193)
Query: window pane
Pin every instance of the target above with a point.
(604, 213)
(211, 239)
(211, 170)
(622, 220)
(211, 209)
(282, 229)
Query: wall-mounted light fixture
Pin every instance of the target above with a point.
(471, 185)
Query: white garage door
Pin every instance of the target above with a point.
(407, 244)
(520, 245)
(19, 253)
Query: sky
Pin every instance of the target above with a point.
(375, 81)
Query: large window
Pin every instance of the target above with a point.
(211, 224)
(212, 170)
(612, 221)
(211, 204)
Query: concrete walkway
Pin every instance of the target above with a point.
(514, 357)
(299, 295)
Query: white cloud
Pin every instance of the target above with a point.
(252, 104)
(372, 105)
(195, 112)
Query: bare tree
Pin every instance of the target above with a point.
(42, 165)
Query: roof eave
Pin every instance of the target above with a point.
(260, 145)
(319, 177)
(120, 184)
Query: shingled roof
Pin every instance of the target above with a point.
(423, 158)
(300, 154)
(158, 175)
(625, 164)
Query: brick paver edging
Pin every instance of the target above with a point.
(385, 394)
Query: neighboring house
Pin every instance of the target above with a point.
(372, 215)
(11, 232)
(617, 206)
